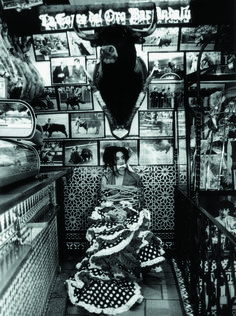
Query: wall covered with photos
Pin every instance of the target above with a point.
(79, 130)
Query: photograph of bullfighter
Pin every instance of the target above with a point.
(75, 98)
(87, 124)
(51, 153)
(81, 153)
(156, 151)
(156, 123)
(120, 74)
(162, 39)
(54, 125)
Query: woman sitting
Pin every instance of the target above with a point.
(121, 246)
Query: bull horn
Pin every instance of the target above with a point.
(81, 34)
(152, 27)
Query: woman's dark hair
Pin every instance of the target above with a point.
(226, 204)
(109, 156)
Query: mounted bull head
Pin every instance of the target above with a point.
(120, 75)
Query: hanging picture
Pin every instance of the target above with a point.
(51, 153)
(55, 125)
(47, 101)
(208, 59)
(87, 124)
(81, 153)
(166, 65)
(70, 70)
(79, 47)
(155, 123)
(156, 152)
(163, 39)
(131, 145)
(49, 45)
(192, 38)
(77, 97)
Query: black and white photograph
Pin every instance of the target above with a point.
(51, 154)
(70, 70)
(72, 98)
(80, 47)
(55, 125)
(87, 124)
(131, 145)
(47, 45)
(81, 153)
(155, 123)
(163, 39)
(156, 152)
(166, 94)
(166, 65)
(208, 59)
(47, 101)
(192, 38)
(44, 70)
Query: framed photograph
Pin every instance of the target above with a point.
(48, 45)
(131, 145)
(166, 94)
(208, 59)
(51, 153)
(79, 47)
(87, 124)
(81, 153)
(75, 98)
(166, 65)
(163, 39)
(55, 125)
(47, 101)
(155, 123)
(156, 152)
(70, 70)
(44, 70)
(192, 38)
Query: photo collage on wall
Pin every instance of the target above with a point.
(76, 130)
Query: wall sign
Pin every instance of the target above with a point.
(102, 17)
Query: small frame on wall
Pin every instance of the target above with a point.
(131, 145)
(166, 94)
(80, 152)
(48, 45)
(51, 154)
(164, 38)
(47, 101)
(208, 59)
(55, 125)
(156, 152)
(79, 47)
(70, 70)
(87, 124)
(75, 98)
(155, 123)
(168, 66)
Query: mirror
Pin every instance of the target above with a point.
(17, 119)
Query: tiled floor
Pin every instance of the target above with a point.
(161, 295)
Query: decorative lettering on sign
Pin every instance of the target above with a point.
(131, 16)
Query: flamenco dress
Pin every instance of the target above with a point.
(108, 277)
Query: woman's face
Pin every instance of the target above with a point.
(224, 212)
(120, 159)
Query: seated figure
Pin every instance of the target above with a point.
(121, 244)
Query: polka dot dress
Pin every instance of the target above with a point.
(107, 278)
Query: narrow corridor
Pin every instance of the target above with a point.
(161, 296)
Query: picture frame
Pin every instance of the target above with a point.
(51, 154)
(68, 71)
(156, 151)
(79, 47)
(156, 123)
(48, 45)
(54, 125)
(80, 153)
(192, 38)
(44, 69)
(208, 59)
(131, 145)
(166, 94)
(75, 98)
(163, 39)
(87, 124)
(168, 66)
(47, 101)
